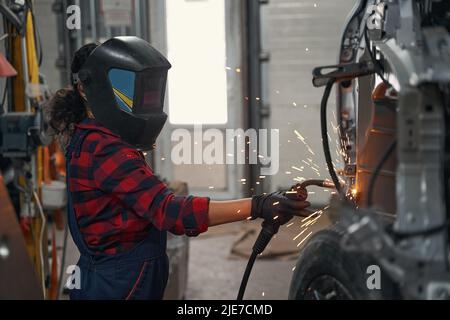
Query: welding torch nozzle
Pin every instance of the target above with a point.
(319, 183)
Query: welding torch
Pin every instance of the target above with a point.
(271, 227)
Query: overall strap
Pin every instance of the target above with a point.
(74, 150)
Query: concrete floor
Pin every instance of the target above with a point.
(216, 274)
(213, 275)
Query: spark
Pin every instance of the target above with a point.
(297, 236)
(312, 215)
(293, 269)
(294, 104)
(299, 136)
(238, 70)
(304, 239)
(298, 169)
(276, 203)
(315, 220)
(290, 224)
(307, 223)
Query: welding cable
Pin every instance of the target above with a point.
(41, 239)
(268, 230)
(325, 142)
(377, 171)
(378, 66)
(248, 270)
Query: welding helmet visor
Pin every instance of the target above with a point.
(138, 93)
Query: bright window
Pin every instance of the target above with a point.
(197, 83)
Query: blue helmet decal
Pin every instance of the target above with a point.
(123, 84)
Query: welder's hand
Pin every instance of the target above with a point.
(278, 206)
(297, 192)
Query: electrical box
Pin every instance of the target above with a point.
(17, 134)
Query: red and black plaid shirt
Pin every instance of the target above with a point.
(117, 198)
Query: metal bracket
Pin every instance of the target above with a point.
(342, 72)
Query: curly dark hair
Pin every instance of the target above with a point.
(67, 108)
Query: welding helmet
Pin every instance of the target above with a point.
(124, 80)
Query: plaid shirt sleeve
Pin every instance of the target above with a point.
(122, 171)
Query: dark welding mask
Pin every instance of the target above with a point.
(125, 80)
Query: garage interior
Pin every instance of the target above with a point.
(249, 65)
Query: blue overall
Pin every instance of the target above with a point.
(140, 273)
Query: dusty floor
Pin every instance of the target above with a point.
(216, 274)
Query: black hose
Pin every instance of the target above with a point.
(248, 270)
(377, 171)
(269, 229)
(378, 66)
(325, 142)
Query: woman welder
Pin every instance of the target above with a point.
(118, 210)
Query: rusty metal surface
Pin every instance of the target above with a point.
(17, 277)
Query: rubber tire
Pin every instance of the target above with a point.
(324, 256)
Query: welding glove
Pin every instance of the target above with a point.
(280, 205)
